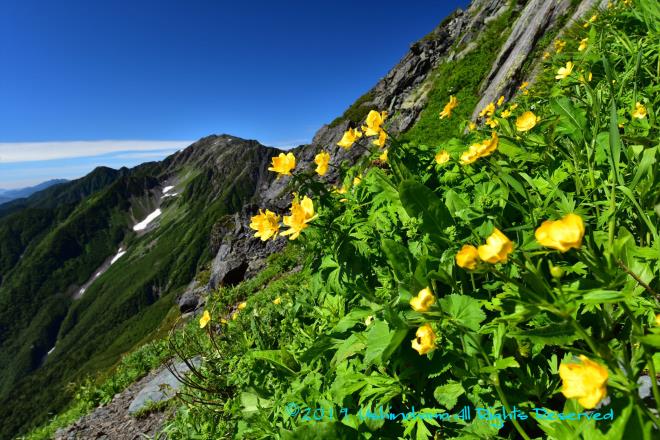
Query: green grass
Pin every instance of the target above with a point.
(462, 79)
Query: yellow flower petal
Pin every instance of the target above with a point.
(441, 157)
(497, 248)
(322, 160)
(424, 341)
(451, 105)
(350, 136)
(467, 257)
(526, 121)
(561, 234)
(564, 72)
(301, 214)
(423, 301)
(639, 112)
(205, 319)
(585, 380)
(283, 164)
(266, 224)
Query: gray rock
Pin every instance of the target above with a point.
(162, 387)
(189, 301)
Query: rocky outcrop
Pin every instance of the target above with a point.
(536, 19)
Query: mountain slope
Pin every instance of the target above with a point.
(84, 223)
(74, 241)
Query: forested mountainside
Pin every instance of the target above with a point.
(328, 323)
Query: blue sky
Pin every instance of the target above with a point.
(174, 71)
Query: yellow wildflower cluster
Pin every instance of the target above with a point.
(373, 127)
(562, 235)
(322, 160)
(267, 223)
(496, 250)
(481, 149)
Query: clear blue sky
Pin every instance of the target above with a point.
(179, 70)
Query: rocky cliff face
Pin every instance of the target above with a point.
(403, 93)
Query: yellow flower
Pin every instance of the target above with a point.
(283, 164)
(322, 160)
(277, 301)
(357, 180)
(467, 257)
(657, 319)
(241, 305)
(205, 319)
(513, 107)
(564, 72)
(350, 136)
(234, 316)
(223, 321)
(382, 137)
(591, 20)
(489, 110)
(383, 156)
(469, 156)
(301, 214)
(441, 157)
(423, 301)
(266, 224)
(523, 86)
(546, 55)
(506, 113)
(451, 105)
(584, 43)
(472, 126)
(497, 248)
(424, 341)
(500, 101)
(585, 381)
(481, 149)
(341, 190)
(627, 2)
(492, 123)
(590, 76)
(526, 121)
(639, 112)
(374, 122)
(559, 45)
(561, 234)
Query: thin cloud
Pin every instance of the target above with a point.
(37, 151)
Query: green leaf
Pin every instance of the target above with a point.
(321, 431)
(381, 342)
(280, 359)
(603, 296)
(502, 364)
(398, 257)
(464, 310)
(651, 340)
(419, 201)
(447, 395)
(553, 334)
(351, 319)
(572, 120)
